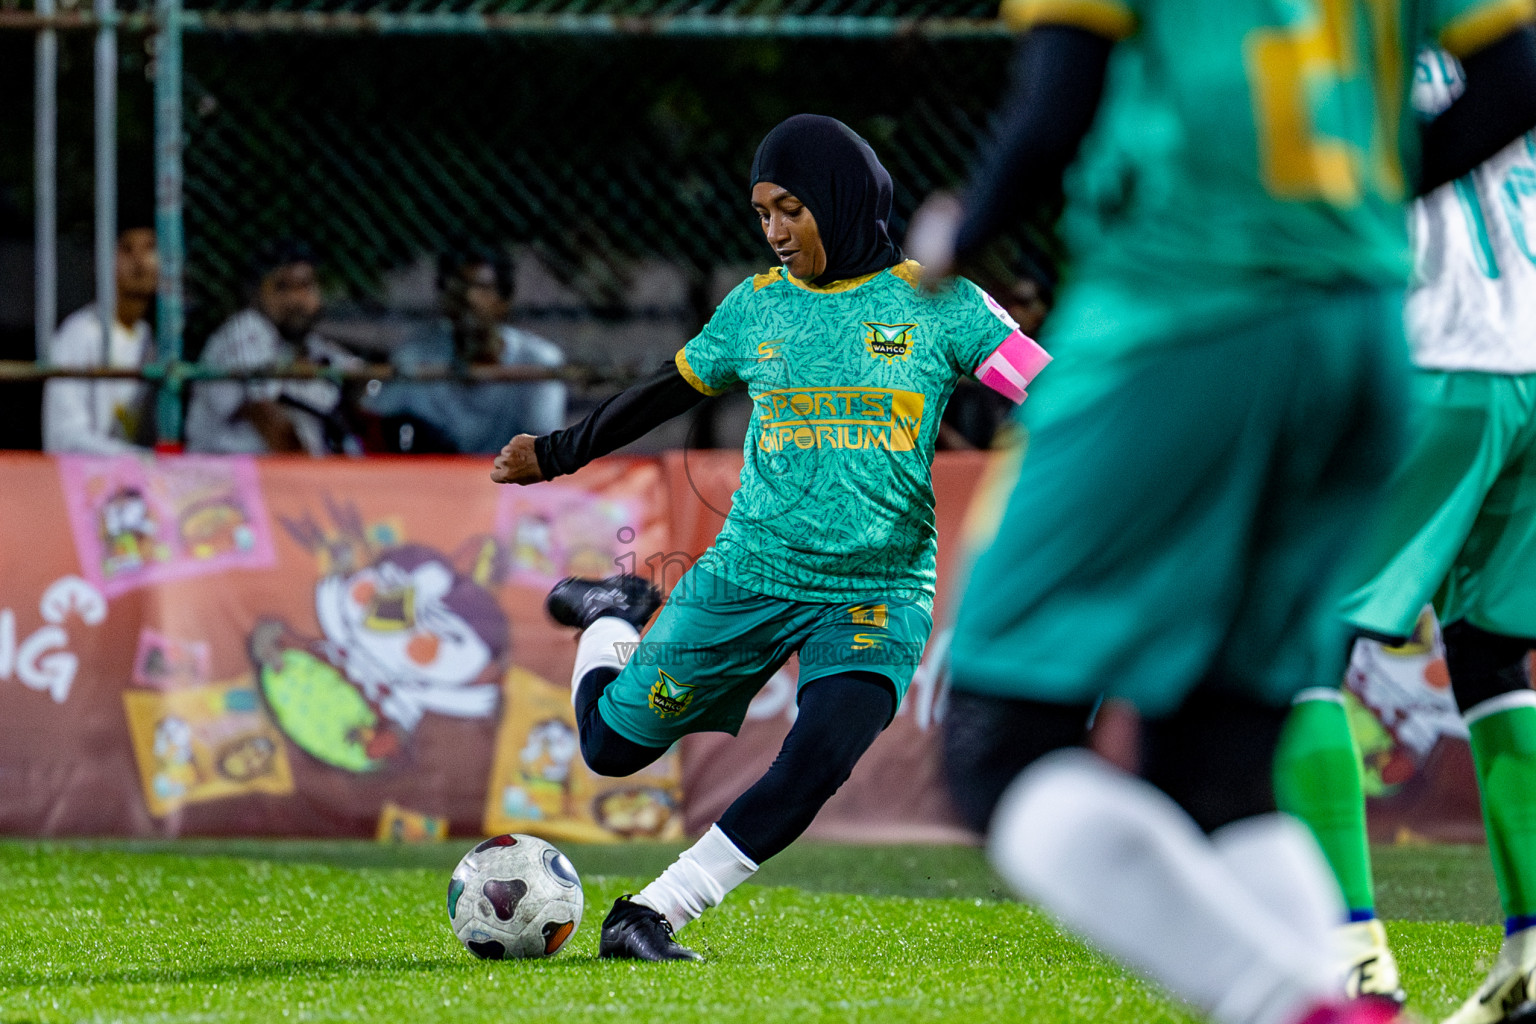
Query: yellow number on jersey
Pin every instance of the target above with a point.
(1285, 64)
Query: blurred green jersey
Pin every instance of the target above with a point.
(848, 383)
(1243, 150)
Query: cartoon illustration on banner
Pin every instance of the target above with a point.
(400, 825)
(198, 740)
(539, 784)
(404, 630)
(1400, 705)
(553, 531)
(137, 522)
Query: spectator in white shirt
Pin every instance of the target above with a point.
(107, 417)
(275, 332)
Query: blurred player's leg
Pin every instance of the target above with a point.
(1489, 678)
(1198, 574)
(1119, 862)
(1318, 779)
(1459, 529)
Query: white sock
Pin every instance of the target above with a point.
(607, 643)
(1279, 862)
(1117, 861)
(698, 879)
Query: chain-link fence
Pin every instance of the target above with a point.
(600, 135)
(595, 153)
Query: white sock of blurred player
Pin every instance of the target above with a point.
(1117, 861)
(1280, 864)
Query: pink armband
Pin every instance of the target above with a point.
(1012, 365)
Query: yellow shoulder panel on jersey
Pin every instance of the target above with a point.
(909, 271)
(1487, 23)
(766, 278)
(1107, 18)
(681, 359)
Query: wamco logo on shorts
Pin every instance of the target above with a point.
(888, 341)
(839, 417)
(670, 698)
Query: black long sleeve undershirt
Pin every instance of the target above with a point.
(627, 416)
(1497, 106)
(1057, 80)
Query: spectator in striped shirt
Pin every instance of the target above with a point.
(275, 332)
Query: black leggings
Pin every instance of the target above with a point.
(1212, 756)
(840, 716)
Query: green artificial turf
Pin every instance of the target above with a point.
(281, 931)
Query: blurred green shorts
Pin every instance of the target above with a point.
(1459, 524)
(1180, 515)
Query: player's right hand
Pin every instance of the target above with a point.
(517, 463)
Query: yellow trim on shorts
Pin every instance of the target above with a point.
(1486, 24)
(692, 378)
(1107, 18)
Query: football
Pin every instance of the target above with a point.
(514, 896)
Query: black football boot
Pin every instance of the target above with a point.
(579, 602)
(633, 931)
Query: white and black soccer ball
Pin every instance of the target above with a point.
(514, 896)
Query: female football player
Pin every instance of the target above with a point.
(828, 550)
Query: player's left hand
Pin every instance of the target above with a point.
(517, 463)
(931, 236)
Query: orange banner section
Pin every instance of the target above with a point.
(240, 647)
(201, 646)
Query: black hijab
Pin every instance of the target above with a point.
(824, 164)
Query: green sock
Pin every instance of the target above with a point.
(1317, 779)
(1504, 750)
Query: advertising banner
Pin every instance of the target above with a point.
(230, 646)
(288, 647)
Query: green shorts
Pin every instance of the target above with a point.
(1179, 515)
(1459, 528)
(714, 645)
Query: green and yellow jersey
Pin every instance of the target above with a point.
(848, 383)
(1243, 149)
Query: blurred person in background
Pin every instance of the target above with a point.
(276, 331)
(1459, 533)
(1228, 400)
(107, 417)
(475, 292)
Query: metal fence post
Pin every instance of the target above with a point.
(106, 173)
(45, 185)
(168, 216)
